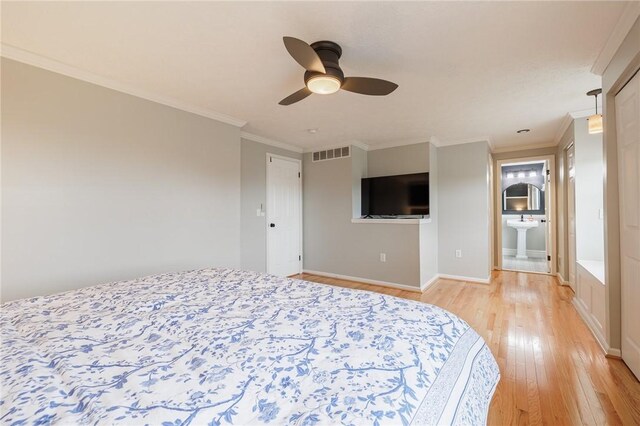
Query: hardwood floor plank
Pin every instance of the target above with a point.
(553, 371)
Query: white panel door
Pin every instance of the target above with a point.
(571, 215)
(628, 130)
(284, 212)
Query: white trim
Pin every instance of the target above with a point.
(358, 144)
(561, 279)
(364, 280)
(392, 221)
(266, 222)
(464, 141)
(536, 254)
(551, 220)
(568, 119)
(585, 112)
(466, 279)
(523, 147)
(266, 141)
(429, 283)
(39, 61)
(564, 125)
(628, 17)
(395, 144)
(582, 311)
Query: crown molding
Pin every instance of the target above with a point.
(452, 142)
(29, 58)
(360, 145)
(271, 142)
(628, 17)
(582, 113)
(564, 125)
(395, 144)
(517, 148)
(433, 140)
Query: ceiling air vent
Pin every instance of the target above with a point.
(331, 154)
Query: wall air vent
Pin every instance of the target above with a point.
(331, 154)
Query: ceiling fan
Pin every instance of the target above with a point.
(324, 76)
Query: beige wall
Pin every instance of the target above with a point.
(100, 186)
(332, 244)
(398, 160)
(429, 232)
(463, 209)
(621, 68)
(589, 193)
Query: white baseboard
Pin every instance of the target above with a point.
(422, 288)
(467, 279)
(561, 279)
(429, 283)
(584, 314)
(364, 280)
(536, 254)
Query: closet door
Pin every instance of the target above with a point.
(627, 106)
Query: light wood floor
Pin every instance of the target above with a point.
(553, 371)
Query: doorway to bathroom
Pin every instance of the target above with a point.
(525, 201)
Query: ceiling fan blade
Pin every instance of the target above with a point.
(295, 97)
(368, 86)
(303, 54)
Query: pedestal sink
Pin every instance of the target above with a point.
(522, 227)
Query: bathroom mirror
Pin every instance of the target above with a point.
(523, 198)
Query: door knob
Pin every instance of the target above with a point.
(272, 225)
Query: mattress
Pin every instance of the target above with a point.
(222, 346)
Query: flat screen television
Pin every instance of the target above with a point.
(395, 195)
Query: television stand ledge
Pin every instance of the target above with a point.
(399, 221)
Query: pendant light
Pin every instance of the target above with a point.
(595, 121)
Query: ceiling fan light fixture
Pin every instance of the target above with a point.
(324, 84)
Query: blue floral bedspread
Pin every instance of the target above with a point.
(221, 346)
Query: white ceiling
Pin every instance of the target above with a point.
(466, 71)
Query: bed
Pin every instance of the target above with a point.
(222, 346)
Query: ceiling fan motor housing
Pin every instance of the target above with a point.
(329, 53)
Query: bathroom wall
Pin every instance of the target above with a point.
(537, 180)
(535, 236)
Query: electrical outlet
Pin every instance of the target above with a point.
(458, 253)
(383, 257)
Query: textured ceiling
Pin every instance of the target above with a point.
(466, 70)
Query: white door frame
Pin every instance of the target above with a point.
(572, 268)
(266, 222)
(551, 250)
